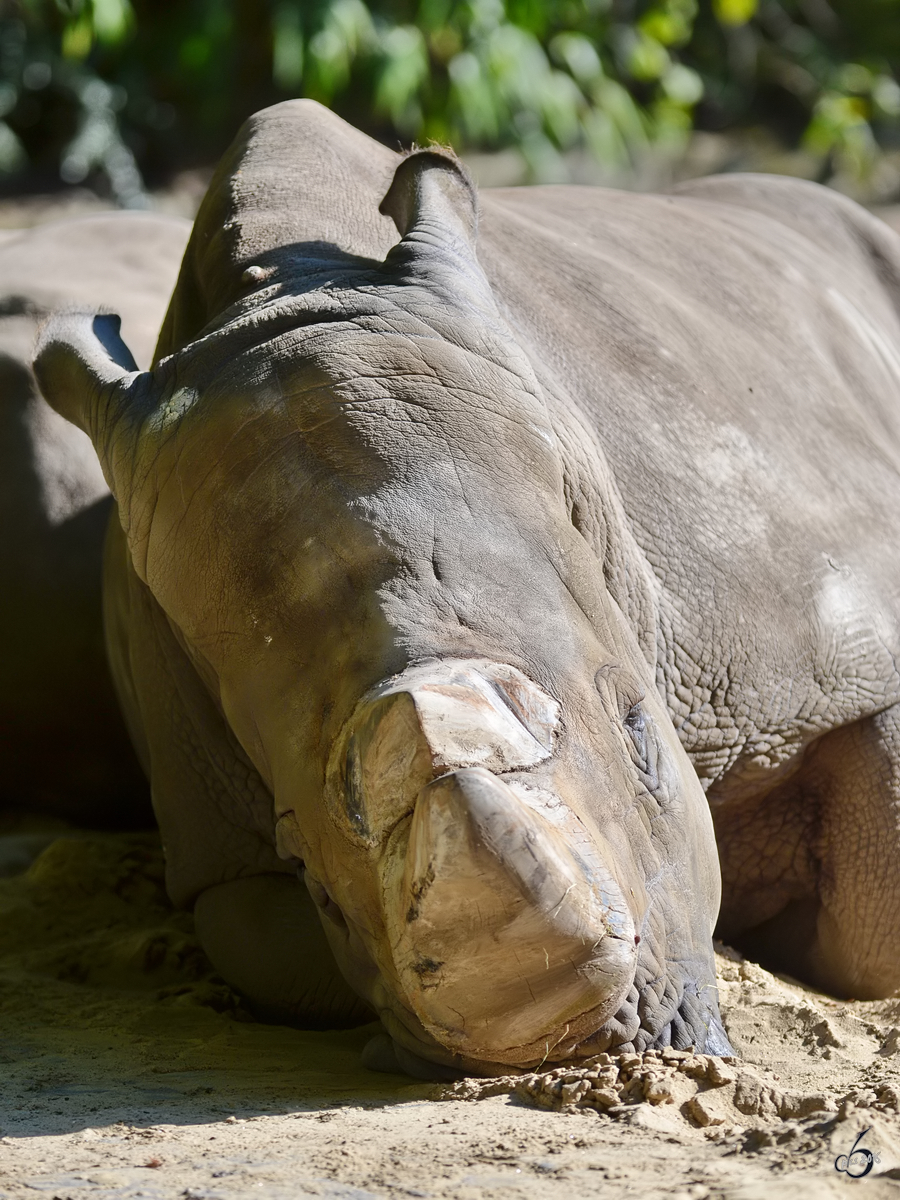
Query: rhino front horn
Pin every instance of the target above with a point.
(506, 942)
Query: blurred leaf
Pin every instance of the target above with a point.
(346, 31)
(671, 124)
(577, 53)
(404, 69)
(112, 19)
(8, 98)
(444, 43)
(97, 144)
(670, 24)
(544, 162)
(287, 46)
(617, 103)
(195, 52)
(853, 77)
(561, 105)
(12, 152)
(835, 119)
(77, 38)
(605, 139)
(484, 15)
(734, 12)
(643, 57)
(433, 15)
(886, 95)
(473, 98)
(517, 64)
(682, 85)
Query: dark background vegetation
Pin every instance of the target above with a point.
(118, 95)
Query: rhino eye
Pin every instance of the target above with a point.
(636, 728)
(634, 721)
(635, 724)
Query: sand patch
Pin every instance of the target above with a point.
(128, 1069)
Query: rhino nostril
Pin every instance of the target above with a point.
(322, 899)
(319, 894)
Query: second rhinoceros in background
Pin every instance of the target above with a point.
(380, 606)
(64, 749)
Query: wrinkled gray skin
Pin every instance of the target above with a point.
(63, 744)
(437, 573)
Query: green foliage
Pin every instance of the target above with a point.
(830, 65)
(91, 88)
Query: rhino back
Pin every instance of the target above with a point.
(63, 747)
(736, 349)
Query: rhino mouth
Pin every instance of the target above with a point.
(501, 938)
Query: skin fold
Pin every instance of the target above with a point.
(461, 545)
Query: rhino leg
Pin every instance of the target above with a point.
(856, 772)
(263, 935)
(813, 865)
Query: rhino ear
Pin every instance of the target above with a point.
(432, 193)
(88, 374)
(83, 368)
(433, 203)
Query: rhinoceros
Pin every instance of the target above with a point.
(63, 745)
(463, 545)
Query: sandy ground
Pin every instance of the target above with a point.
(127, 1069)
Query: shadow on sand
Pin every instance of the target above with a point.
(110, 1011)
